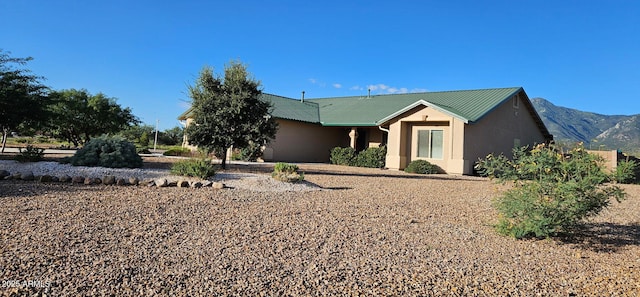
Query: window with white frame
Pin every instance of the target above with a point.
(430, 144)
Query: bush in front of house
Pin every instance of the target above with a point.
(107, 151)
(552, 191)
(421, 167)
(287, 172)
(626, 171)
(342, 156)
(202, 168)
(373, 157)
(178, 151)
(30, 154)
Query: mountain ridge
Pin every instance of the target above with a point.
(595, 130)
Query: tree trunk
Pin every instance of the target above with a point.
(224, 159)
(5, 132)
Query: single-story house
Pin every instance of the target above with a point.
(451, 129)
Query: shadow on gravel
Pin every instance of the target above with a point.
(603, 237)
(18, 189)
(416, 176)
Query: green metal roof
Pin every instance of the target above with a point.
(284, 108)
(291, 109)
(468, 105)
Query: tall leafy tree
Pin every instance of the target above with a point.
(227, 111)
(78, 115)
(23, 99)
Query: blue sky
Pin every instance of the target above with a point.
(579, 54)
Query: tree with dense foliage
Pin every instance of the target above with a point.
(78, 115)
(552, 191)
(23, 98)
(171, 136)
(228, 111)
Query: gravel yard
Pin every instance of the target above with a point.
(348, 231)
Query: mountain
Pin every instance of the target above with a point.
(595, 130)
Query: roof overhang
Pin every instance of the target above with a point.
(416, 104)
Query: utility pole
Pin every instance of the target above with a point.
(155, 141)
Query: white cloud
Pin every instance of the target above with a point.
(313, 81)
(385, 89)
(356, 88)
(337, 86)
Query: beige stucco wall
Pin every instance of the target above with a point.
(499, 131)
(402, 139)
(304, 142)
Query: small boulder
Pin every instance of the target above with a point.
(109, 180)
(97, 181)
(4, 173)
(65, 179)
(55, 179)
(145, 182)
(45, 178)
(8, 177)
(122, 182)
(218, 185)
(27, 176)
(207, 183)
(134, 181)
(88, 181)
(196, 184)
(183, 184)
(77, 179)
(172, 184)
(161, 182)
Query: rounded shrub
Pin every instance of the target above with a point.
(421, 167)
(287, 172)
(178, 151)
(343, 156)
(552, 191)
(106, 151)
(202, 168)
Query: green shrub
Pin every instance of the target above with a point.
(178, 151)
(552, 191)
(202, 168)
(30, 154)
(105, 151)
(373, 157)
(343, 156)
(626, 172)
(287, 172)
(421, 167)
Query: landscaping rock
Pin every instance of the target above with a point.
(65, 179)
(27, 176)
(161, 182)
(133, 181)
(146, 182)
(122, 182)
(4, 173)
(183, 184)
(109, 180)
(196, 184)
(55, 179)
(218, 185)
(77, 179)
(97, 181)
(207, 183)
(88, 181)
(8, 177)
(172, 184)
(45, 178)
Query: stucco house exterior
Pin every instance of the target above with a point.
(451, 129)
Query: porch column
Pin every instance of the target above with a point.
(353, 135)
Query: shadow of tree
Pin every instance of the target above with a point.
(603, 237)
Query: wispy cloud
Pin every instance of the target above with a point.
(337, 86)
(386, 89)
(315, 81)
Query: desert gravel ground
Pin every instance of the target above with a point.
(361, 232)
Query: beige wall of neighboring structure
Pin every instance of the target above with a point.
(304, 142)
